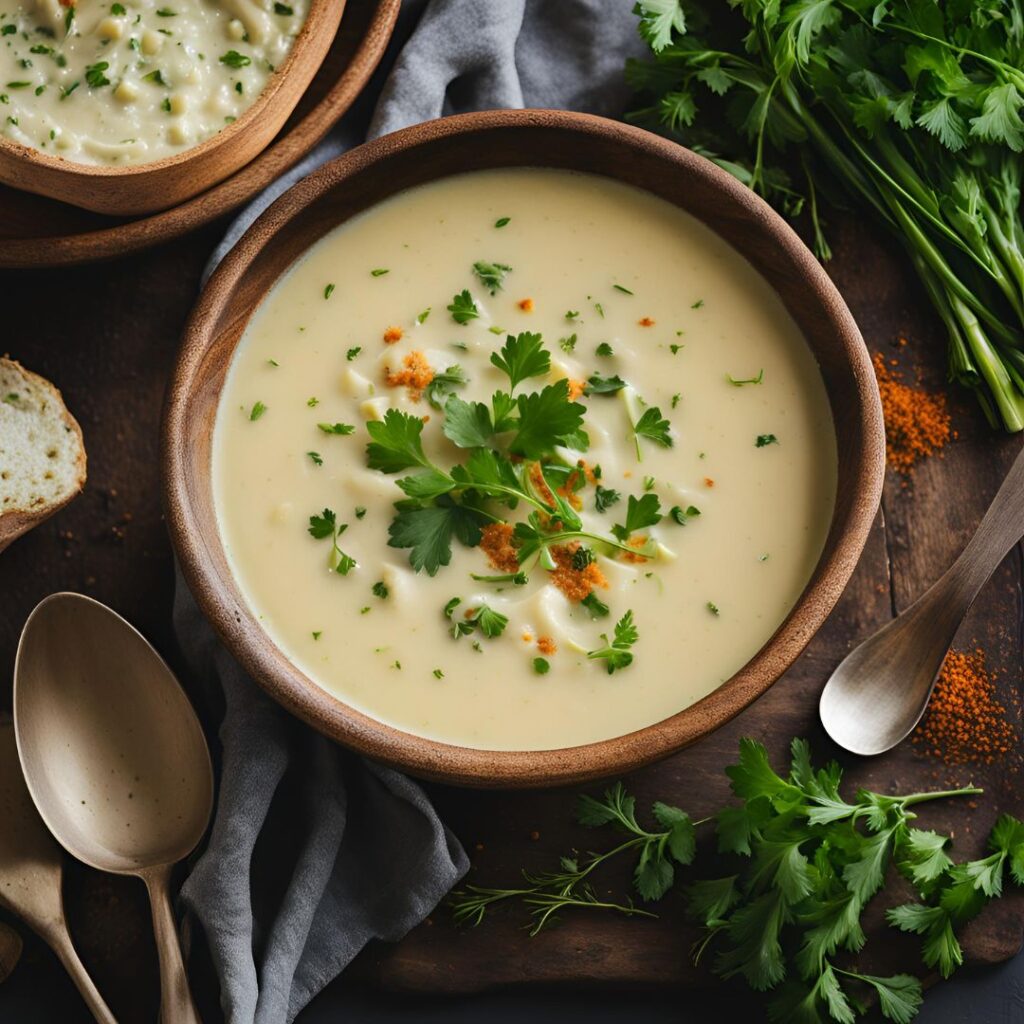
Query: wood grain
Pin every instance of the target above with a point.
(110, 345)
(38, 231)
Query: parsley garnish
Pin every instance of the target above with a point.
(156, 76)
(491, 275)
(604, 349)
(316, 457)
(326, 525)
(165, 12)
(597, 608)
(328, 291)
(501, 222)
(463, 308)
(380, 590)
(258, 409)
(522, 357)
(605, 497)
(640, 513)
(713, 608)
(765, 439)
(680, 516)
(616, 653)
(444, 384)
(750, 380)
(697, 304)
(234, 59)
(337, 428)
(312, 402)
(598, 385)
(541, 666)
(379, 272)
(483, 618)
(622, 288)
(353, 352)
(280, 8)
(654, 427)
(567, 344)
(360, 511)
(438, 674)
(519, 579)
(422, 318)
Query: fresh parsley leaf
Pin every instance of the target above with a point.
(654, 427)
(491, 275)
(353, 352)
(463, 308)
(94, 76)
(604, 349)
(541, 666)
(765, 439)
(522, 357)
(444, 384)
(598, 385)
(258, 409)
(622, 288)
(567, 344)
(337, 428)
(467, 424)
(680, 516)
(316, 457)
(234, 59)
(483, 618)
(640, 513)
(547, 418)
(427, 530)
(749, 380)
(322, 525)
(616, 653)
(395, 443)
(380, 589)
(597, 608)
(604, 498)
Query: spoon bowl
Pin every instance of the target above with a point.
(113, 755)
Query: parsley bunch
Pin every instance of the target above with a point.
(805, 861)
(910, 109)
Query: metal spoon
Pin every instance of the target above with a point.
(31, 869)
(114, 758)
(880, 690)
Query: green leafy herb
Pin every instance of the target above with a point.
(258, 409)
(353, 352)
(750, 380)
(360, 511)
(522, 357)
(597, 608)
(165, 12)
(156, 77)
(280, 8)
(640, 513)
(444, 384)
(713, 608)
(501, 222)
(765, 439)
(94, 76)
(380, 590)
(616, 653)
(604, 349)
(491, 275)
(379, 272)
(316, 458)
(680, 516)
(483, 618)
(463, 308)
(422, 317)
(541, 666)
(234, 59)
(654, 427)
(326, 525)
(337, 428)
(598, 385)
(604, 498)
(622, 288)
(328, 291)
(567, 344)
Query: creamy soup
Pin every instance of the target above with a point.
(554, 341)
(105, 82)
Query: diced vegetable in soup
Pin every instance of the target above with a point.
(131, 81)
(522, 459)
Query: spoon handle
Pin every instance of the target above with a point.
(1001, 527)
(176, 1006)
(58, 939)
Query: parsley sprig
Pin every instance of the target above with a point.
(805, 862)
(326, 525)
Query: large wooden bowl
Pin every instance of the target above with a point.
(373, 172)
(142, 188)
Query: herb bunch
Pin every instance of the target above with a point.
(805, 863)
(910, 110)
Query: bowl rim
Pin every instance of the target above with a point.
(447, 762)
(319, 11)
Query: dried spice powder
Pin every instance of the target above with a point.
(965, 722)
(917, 422)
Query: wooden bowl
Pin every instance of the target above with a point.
(159, 184)
(371, 173)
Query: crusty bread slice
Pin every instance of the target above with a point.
(42, 456)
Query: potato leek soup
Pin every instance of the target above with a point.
(522, 459)
(106, 82)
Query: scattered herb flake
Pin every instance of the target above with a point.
(541, 666)
(258, 409)
(463, 308)
(765, 439)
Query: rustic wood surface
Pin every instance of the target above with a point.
(109, 343)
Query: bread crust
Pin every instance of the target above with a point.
(17, 521)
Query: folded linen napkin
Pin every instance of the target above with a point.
(315, 851)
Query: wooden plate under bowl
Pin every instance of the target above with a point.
(371, 173)
(39, 231)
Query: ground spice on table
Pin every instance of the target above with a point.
(917, 422)
(965, 721)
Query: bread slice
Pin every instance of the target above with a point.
(42, 456)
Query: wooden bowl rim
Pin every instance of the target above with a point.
(320, 11)
(224, 606)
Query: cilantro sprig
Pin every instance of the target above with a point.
(804, 861)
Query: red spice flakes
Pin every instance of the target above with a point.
(576, 584)
(540, 484)
(416, 374)
(645, 322)
(568, 490)
(965, 721)
(632, 556)
(393, 334)
(708, 482)
(576, 388)
(496, 544)
(546, 645)
(526, 305)
(917, 422)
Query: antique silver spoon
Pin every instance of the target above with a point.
(880, 690)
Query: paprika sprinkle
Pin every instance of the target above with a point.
(965, 722)
(917, 422)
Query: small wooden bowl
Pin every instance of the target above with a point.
(159, 184)
(371, 173)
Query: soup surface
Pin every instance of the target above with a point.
(552, 340)
(130, 81)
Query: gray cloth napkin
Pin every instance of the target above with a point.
(313, 850)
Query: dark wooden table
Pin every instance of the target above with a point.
(107, 335)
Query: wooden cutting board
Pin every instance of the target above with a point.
(109, 344)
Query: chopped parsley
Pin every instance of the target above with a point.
(422, 318)
(571, 314)
(317, 633)
(567, 344)
(156, 77)
(697, 304)
(681, 516)
(605, 497)
(258, 409)
(713, 608)
(501, 222)
(597, 608)
(328, 291)
(604, 349)
(622, 288)
(598, 385)
(280, 8)
(337, 428)
(749, 380)
(316, 457)
(541, 666)
(444, 384)
(491, 275)
(616, 652)
(463, 308)
(353, 352)
(640, 513)
(765, 439)
(234, 59)
(380, 589)
(675, 399)
(438, 674)
(326, 525)
(483, 618)
(312, 402)
(649, 483)
(654, 427)
(166, 12)
(674, 348)
(379, 272)
(360, 511)
(582, 557)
